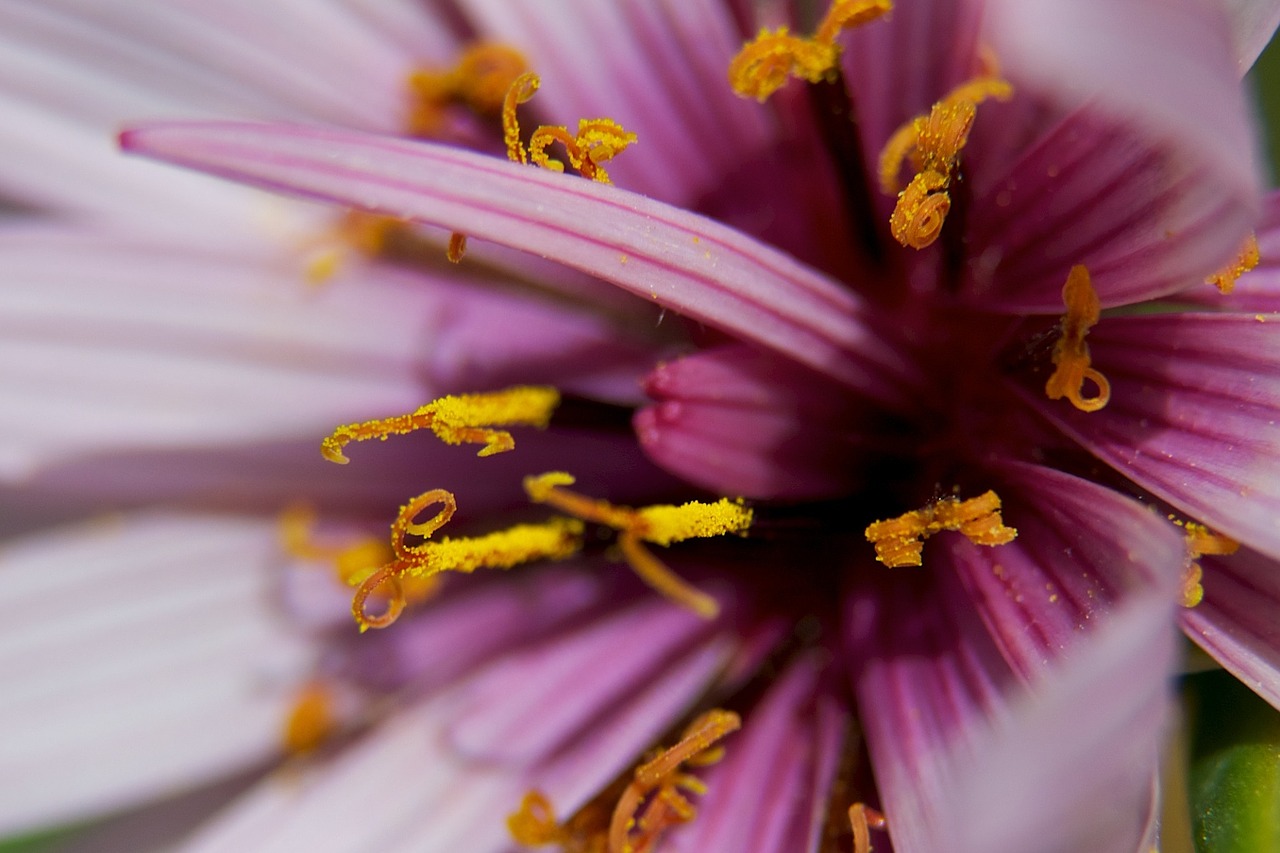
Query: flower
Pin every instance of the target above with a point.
(856, 360)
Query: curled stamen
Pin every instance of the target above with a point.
(387, 575)
(1071, 354)
(933, 143)
(464, 418)
(1200, 542)
(764, 64)
(535, 824)
(520, 91)
(658, 781)
(1225, 278)
(661, 525)
(597, 140)
(900, 541)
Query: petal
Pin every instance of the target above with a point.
(1151, 178)
(147, 656)
(1238, 622)
(1192, 417)
(739, 421)
(687, 263)
(1253, 22)
(1081, 548)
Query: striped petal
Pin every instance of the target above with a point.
(142, 656)
(685, 262)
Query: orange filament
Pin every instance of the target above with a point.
(1200, 542)
(1071, 353)
(660, 525)
(863, 819)
(900, 541)
(765, 63)
(311, 720)
(554, 539)
(1225, 278)
(653, 802)
(597, 140)
(478, 82)
(534, 824)
(457, 247)
(457, 419)
(933, 144)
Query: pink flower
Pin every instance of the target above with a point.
(809, 363)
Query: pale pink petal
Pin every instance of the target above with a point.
(1192, 416)
(1080, 549)
(144, 655)
(1238, 623)
(688, 263)
(772, 789)
(1253, 22)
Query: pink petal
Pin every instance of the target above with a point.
(143, 656)
(1150, 180)
(1238, 622)
(1194, 403)
(690, 264)
(1253, 22)
(1081, 548)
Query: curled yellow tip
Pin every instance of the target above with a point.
(900, 541)
(1071, 354)
(534, 823)
(464, 418)
(1248, 258)
(519, 92)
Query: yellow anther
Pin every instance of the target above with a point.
(554, 539)
(1225, 278)
(653, 803)
(1071, 354)
(519, 92)
(900, 541)
(597, 140)
(933, 144)
(1200, 542)
(765, 63)
(310, 721)
(478, 82)
(457, 247)
(661, 525)
(464, 418)
(534, 824)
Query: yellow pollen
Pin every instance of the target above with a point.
(1225, 278)
(933, 144)
(1071, 353)
(660, 525)
(554, 539)
(900, 541)
(1200, 542)
(653, 802)
(597, 140)
(464, 418)
(534, 824)
(310, 721)
(765, 63)
(479, 82)
(863, 819)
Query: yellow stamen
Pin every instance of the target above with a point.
(597, 140)
(661, 525)
(1200, 542)
(478, 82)
(900, 541)
(764, 64)
(311, 720)
(1225, 278)
(554, 539)
(534, 824)
(464, 418)
(457, 247)
(657, 783)
(1071, 353)
(863, 819)
(933, 143)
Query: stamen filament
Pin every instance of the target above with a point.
(900, 541)
(457, 419)
(597, 140)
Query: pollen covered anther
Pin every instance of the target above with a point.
(1200, 542)
(554, 539)
(597, 140)
(1071, 354)
(900, 541)
(464, 418)
(772, 57)
(662, 524)
(479, 82)
(1248, 258)
(653, 802)
(933, 144)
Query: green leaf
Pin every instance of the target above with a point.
(1235, 766)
